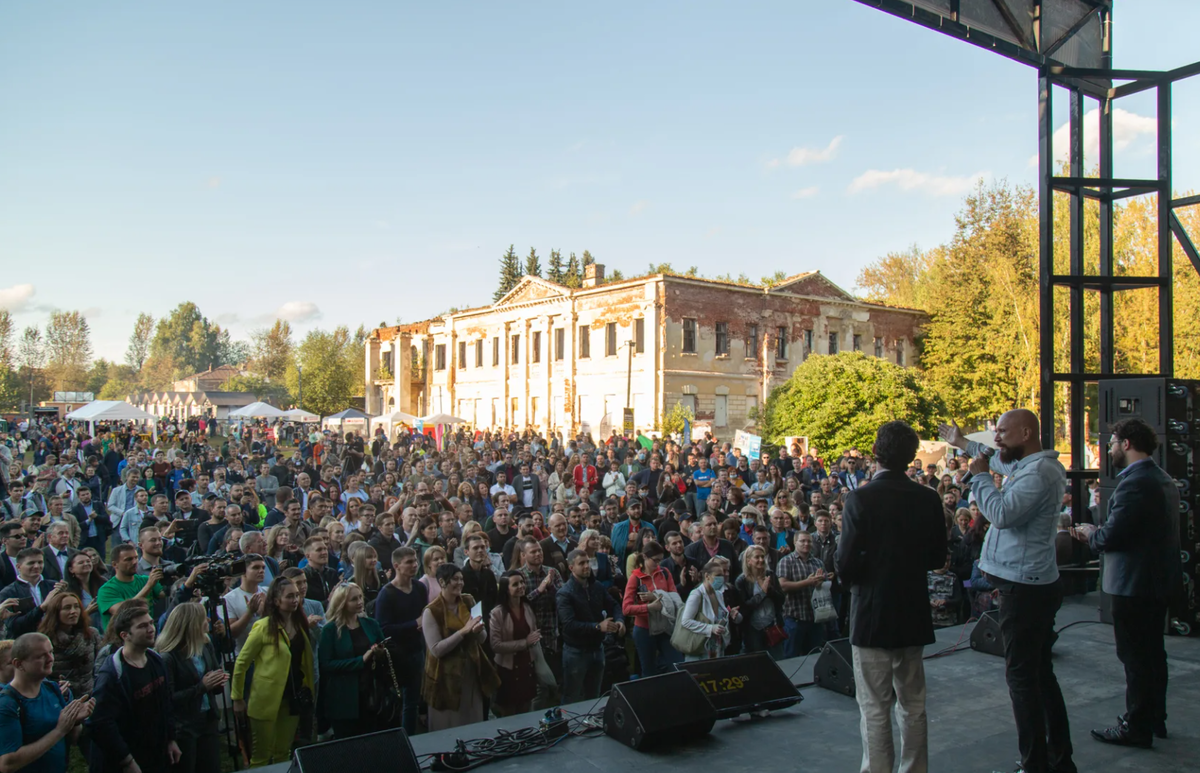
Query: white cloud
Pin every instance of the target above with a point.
(803, 156)
(297, 311)
(1127, 128)
(227, 319)
(17, 297)
(639, 207)
(92, 312)
(805, 193)
(912, 180)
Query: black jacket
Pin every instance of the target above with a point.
(113, 722)
(25, 622)
(893, 534)
(50, 570)
(1140, 539)
(187, 692)
(751, 602)
(481, 586)
(104, 525)
(581, 608)
(697, 556)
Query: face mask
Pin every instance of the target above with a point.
(748, 521)
(718, 583)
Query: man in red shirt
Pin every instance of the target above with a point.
(586, 478)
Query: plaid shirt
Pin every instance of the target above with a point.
(797, 604)
(544, 603)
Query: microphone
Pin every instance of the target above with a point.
(987, 451)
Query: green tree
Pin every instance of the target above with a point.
(271, 350)
(262, 389)
(616, 276)
(31, 357)
(184, 341)
(839, 401)
(7, 339)
(573, 276)
(671, 422)
(330, 380)
(899, 279)
(97, 376)
(510, 273)
(533, 265)
(774, 279)
(139, 342)
(587, 261)
(10, 388)
(554, 268)
(121, 382)
(68, 347)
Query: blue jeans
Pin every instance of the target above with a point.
(655, 652)
(803, 636)
(583, 670)
(410, 669)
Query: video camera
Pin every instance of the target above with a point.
(211, 581)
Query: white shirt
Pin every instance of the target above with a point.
(237, 602)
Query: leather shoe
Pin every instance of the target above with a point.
(1160, 727)
(1120, 735)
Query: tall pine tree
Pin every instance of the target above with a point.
(510, 273)
(554, 269)
(533, 266)
(587, 259)
(572, 277)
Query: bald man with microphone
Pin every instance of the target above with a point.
(1020, 561)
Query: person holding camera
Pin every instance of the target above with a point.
(126, 584)
(133, 725)
(35, 717)
(278, 648)
(34, 591)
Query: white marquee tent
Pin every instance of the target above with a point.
(257, 410)
(110, 410)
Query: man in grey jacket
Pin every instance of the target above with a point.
(1020, 561)
(1142, 569)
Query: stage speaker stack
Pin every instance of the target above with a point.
(388, 751)
(985, 636)
(835, 667)
(652, 711)
(1172, 408)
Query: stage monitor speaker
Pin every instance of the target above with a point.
(740, 684)
(387, 751)
(657, 709)
(985, 637)
(835, 667)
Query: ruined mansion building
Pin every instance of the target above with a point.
(562, 359)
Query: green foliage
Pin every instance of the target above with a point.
(554, 268)
(11, 388)
(533, 265)
(139, 341)
(667, 268)
(8, 341)
(185, 342)
(121, 382)
(774, 279)
(510, 273)
(839, 401)
(262, 389)
(271, 351)
(97, 376)
(68, 348)
(332, 370)
(615, 276)
(671, 422)
(573, 276)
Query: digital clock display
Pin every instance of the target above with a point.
(713, 685)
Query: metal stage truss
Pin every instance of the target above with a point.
(1069, 42)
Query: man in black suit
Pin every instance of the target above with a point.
(893, 533)
(1142, 568)
(30, 584)
(58, 551)
(94, 523)
(13, 540)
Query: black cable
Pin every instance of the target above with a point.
(1080, 622)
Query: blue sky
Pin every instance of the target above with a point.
(346, 163)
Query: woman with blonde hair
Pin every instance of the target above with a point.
(433, 557)
(365, 561)
(197, 684)
(350, 649)
(762, 603)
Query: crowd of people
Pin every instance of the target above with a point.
(345, 584)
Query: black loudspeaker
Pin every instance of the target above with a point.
(648, 712)
(740, 684)
(388, 751)
(985, 637)
(835, 667)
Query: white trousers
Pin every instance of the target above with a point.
(883, 679)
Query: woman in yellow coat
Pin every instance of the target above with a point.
(279, 649)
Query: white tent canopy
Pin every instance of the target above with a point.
(299, 414)
(109, 410)
(257, 410)
(441, 418)
(112, 410)
(392, 420)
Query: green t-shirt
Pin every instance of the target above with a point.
(114, 592)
